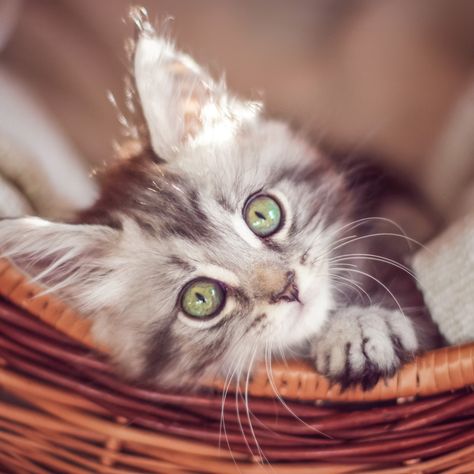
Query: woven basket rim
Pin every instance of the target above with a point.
(432, 373)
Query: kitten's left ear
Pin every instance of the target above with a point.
(180, 101)
(67, 258)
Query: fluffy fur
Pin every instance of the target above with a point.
(173, 212)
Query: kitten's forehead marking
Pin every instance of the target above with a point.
(218, 273)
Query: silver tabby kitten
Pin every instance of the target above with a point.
(221, 241)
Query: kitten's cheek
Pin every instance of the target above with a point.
(312, 291)
(313, 281)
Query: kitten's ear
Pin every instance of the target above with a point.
(180, 101)
(65, 258)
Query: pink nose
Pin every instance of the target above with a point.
(289, 292)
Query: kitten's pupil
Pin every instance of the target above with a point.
(260, 215)
(200, 297)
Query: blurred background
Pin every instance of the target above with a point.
(389, 79)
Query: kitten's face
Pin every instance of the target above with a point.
(218, 251)
(195, 290)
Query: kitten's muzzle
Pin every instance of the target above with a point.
(289, 293)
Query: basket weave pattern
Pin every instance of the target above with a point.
(75, 416)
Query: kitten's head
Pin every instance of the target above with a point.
(208, 248)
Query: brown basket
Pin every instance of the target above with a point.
(63, 410)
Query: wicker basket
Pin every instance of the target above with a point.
(63, 410)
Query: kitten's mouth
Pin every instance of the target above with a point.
(290, 296)
(299, 308)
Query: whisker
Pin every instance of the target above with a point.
(223, 421)
(281, 354)
(381, 284)
(352, 284)
(247, 408)
(237, 411)
(376, 258)
(268, 366)
(363, 220)
(346, 240)
(223, 399)
(377, 234)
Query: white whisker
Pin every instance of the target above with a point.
(373, 257)
(226, 389)
(381, 284)
(268, 366)
(248, 411)
(352, 284)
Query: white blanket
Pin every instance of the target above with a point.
(445, 272)
(40, 172)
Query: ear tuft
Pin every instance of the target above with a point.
(139, 16)
(181, 103)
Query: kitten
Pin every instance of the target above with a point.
(224, 240)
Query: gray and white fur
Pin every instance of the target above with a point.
(174, 212)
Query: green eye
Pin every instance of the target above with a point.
(202, 298)
(263, 215)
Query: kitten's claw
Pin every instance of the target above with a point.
(361, 345)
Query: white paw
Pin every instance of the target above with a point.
(360, 345)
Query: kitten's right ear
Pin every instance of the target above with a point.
(181, 103)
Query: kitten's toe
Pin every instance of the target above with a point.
(403, 331)
(361, 345)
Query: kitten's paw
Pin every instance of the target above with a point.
(360, 345)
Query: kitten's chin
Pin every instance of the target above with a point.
(308, 316)
(305, 318)
(298, 322)
(309, 319)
